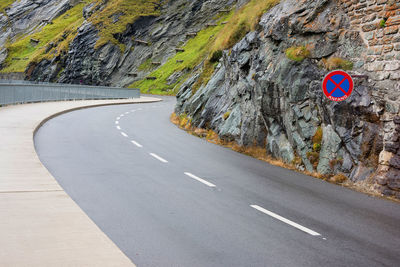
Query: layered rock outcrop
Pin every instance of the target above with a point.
(26, 16)
(152, 38)
(258, 96)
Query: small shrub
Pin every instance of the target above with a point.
(317, 138)
(240, 32)
(211, 135)
(297, 53)
(317, 147)
(382, 23)
(338, 178)
(188, 125)
(200, 132)
(335, 63)
(313, 157)
(183, 122)
(174, 118)
(297, 160)
(216, 56)
(226, 115)
(335, 162)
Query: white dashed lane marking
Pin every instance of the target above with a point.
(287, 221)
(200, 179)
(203, 181)
(158, 157)
(136, 143)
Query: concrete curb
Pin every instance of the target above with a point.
(89, 106)
(41, 225)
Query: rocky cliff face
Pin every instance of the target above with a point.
(153, 37)
(58, 40)
(26, 16)
(259, 96)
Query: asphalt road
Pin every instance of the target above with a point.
(167, 198)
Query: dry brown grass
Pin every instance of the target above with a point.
(243, 21)
(334, 162)
(297, 53)
(313, 158)
(335, 63)
(226, 115)
(338, 178)
(183, 122)
(317, 138)
(261, 154)
(129, 10)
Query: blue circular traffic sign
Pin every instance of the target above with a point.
(337, 85)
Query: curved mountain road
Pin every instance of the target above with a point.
(167, 198)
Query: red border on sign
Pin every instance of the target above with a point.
(346, 76)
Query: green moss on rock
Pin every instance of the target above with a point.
(297, 53)
(27, 51)
(117, 14)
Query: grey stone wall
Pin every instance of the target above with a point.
(378, 21)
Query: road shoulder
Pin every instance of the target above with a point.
(41, 225)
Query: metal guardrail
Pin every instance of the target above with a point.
(18, 92)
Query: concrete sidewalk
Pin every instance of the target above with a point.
(40, 225)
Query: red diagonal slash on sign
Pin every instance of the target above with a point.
(337, 86)
(343, 86)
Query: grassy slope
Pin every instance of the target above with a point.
(4, 4)
(67, 25)
(129, 11)
(196, 49)
(27, 52)
(201, 48)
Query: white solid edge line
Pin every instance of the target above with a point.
(287, 221)
(124, 134)
(158, 157)
(119, 128)
(200, 179)
(136, 143)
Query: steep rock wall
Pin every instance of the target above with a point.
(258, 96)
(27, 16)
(110, 65)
